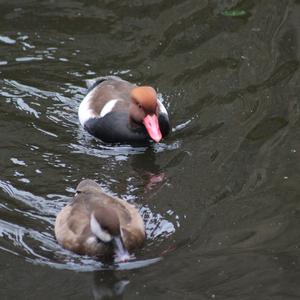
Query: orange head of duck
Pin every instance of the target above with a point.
(144, 109)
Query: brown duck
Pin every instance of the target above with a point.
(97, 224)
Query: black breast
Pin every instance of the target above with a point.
(114, 128)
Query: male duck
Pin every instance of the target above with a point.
(98, 224)
(117, 111)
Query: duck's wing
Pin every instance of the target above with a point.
(131, 222)
(72, 227)
(105, 95)
(133, 233)
(101, 199)
(109, 88)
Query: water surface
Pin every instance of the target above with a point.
(220, 196)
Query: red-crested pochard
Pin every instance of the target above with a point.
(97, 224)
(117, 111)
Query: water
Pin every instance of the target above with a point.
(220, 196)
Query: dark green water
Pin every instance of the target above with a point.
(220, 197)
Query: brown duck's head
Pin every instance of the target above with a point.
(143, 109)
(87, 185)
(105, 225)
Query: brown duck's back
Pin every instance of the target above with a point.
(132, 224)
(72, 225)
(108, 90)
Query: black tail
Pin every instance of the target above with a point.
(92, 83)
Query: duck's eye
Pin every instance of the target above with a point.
(139, 105)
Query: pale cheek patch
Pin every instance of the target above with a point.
(98, 231)
(108, 107)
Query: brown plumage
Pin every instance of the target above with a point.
(117, 218)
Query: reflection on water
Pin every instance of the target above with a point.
(219, 196)
(109, 286)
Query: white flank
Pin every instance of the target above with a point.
(162, 108)
(98, 231)
(84, 111)
(108, 107)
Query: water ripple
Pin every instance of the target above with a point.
(37, 244)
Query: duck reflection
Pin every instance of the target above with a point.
(151, 172)
(107, 285)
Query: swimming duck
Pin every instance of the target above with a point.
(97, 224)
(117, 111)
